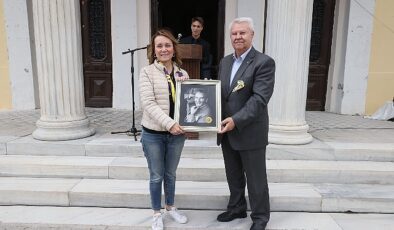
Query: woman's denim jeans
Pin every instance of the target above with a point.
(162, 151)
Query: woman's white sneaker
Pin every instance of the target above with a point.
(157, 223)
(177, 216)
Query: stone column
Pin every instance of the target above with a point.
(288, 42)
(57, 33)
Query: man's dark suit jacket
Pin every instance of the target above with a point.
(247, 106)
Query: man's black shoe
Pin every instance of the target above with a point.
(229, 216)
(257, 227)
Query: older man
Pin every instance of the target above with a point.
(247, 78)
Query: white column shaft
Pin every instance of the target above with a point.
(59, 67)
(288, 42)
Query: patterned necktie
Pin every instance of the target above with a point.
(172, 86)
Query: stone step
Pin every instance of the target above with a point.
(86, 218)
(123, 145)
(193, 195)
(135, 168)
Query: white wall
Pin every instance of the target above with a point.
(245, 8)
(143, 39)
(255, 10)
(348, 74)
(357, 57)
(335, 74)
(230, 14)
(33, 53)
(124, 36)
(20, 62)
(130, 22)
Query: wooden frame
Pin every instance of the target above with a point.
(198, 105)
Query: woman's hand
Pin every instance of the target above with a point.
(176, 129)
(183, 78)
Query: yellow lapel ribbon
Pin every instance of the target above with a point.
(172, 86)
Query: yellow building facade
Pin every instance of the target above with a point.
(5, 87)
(381, 69)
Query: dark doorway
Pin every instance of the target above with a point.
(176, 15)
(319, 58)
(97, 52)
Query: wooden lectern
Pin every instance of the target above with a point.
(191, 57)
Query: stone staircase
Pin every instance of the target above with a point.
(101, 182)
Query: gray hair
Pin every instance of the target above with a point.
(248, 20)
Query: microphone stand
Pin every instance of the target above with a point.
(133, 130)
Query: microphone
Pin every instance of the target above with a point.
(179, 37)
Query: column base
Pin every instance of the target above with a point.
(289, 135)
(62, 130)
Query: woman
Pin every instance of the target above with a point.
(162, 137)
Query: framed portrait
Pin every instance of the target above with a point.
(198, 105)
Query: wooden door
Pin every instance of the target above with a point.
(319, 59)
(97, 54)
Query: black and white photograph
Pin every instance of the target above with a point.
(198, 105)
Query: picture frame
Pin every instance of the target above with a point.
(198, 105)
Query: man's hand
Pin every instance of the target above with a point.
(227, 125)
(176, 129)
(193, 110)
